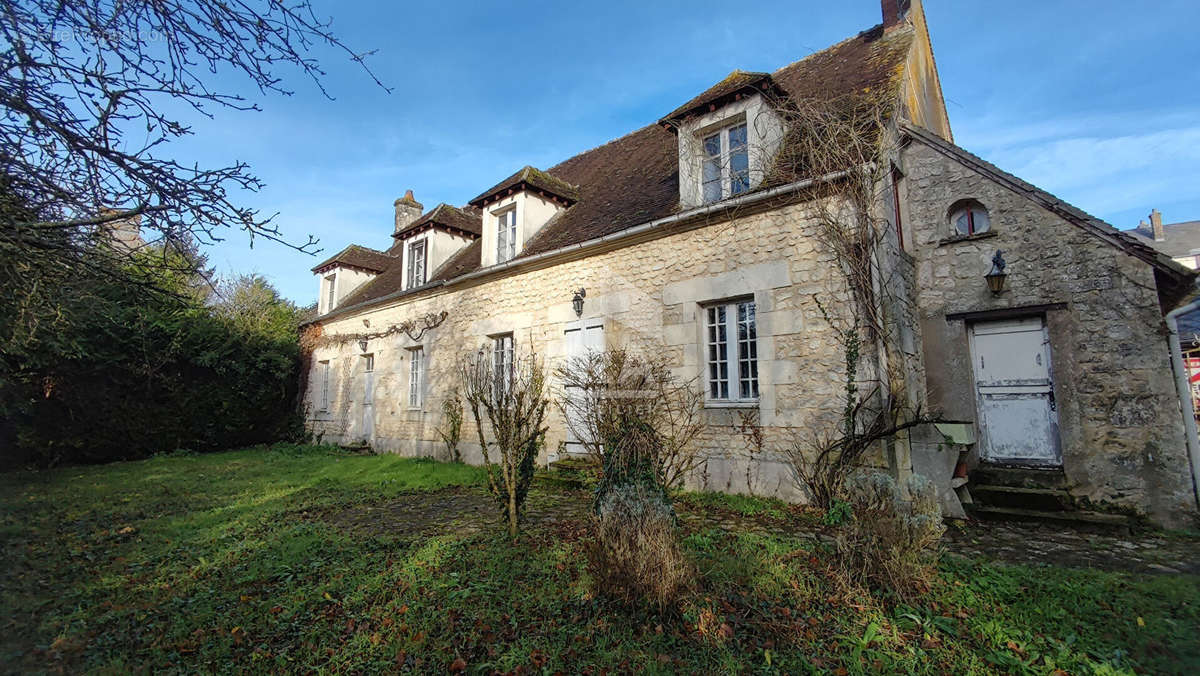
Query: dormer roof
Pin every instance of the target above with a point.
(738, 84)
(533, 179)
(445, 217)
(357, 257)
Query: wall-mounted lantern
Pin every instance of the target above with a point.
(995, 278)
(362, 345)
(577, 302)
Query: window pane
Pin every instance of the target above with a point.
(711, 175)
(502, 238)
(961, 222)
(415, 366)
(712, 145)
(737, 137)
(747, 329)
(980, 218)
(739, 171)
(718, 361)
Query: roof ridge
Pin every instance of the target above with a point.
(877, 27)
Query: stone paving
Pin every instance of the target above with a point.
(1150, 552)
(471, 510)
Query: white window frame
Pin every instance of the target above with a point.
(416, 276)
(325, 374)
(502, 360)
(330, 291)
(724, 161)
(506, 235)
(416, 376)
(739, 356)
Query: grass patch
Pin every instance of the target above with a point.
(226, 562)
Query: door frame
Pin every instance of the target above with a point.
(573, 446)
(982, 429)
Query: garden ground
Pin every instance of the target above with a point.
(302, 558)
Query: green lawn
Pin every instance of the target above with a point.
(244, 561)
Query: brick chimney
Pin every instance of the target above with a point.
(894, 13)
(408, 210)
(1156, 225)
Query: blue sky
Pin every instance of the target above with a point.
(1097, 102)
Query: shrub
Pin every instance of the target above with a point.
(603, 391)
(452, 413)
(635, 555)
(889, 542)
(513, 405)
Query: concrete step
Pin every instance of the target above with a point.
(1043, 499)
(1096, 522)
(1019, 477)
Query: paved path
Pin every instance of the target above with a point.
(1150, 552)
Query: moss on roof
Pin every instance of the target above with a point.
(355, 256)
(533, 178)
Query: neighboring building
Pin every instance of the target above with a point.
(688, 242)
(1180, 241)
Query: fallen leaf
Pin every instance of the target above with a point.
(458, 664)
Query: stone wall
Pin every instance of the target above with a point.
(1119, 416)
(647, 296)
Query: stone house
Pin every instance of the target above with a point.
(685, 238)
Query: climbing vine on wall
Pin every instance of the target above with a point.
(415, 329)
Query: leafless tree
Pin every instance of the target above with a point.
(602, 391)
(91, 96)
(511, 398)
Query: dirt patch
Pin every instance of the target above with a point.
(462, 511)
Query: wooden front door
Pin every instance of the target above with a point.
(1014, 393)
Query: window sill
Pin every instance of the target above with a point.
(731, 404)
(967, 238)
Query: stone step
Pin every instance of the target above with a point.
(1096, 522)
(1019, 477)
(559, 481)
(1043, 499)
(571, 462)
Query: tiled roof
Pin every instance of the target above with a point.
(355, 256)
(529, 177)
(451, 218)
(1072, 214)
(1179, 239)
(736, 82)
(635, 179)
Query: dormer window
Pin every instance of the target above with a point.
(416, 263)
(506, 235)
(330, 292)
(726, 169)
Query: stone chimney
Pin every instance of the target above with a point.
(1156, 225)
(408, 210)
(894, 13)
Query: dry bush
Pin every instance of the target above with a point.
(635, 555)
(513, 404)
(451, 433)
(888, 542)
(604, 392)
